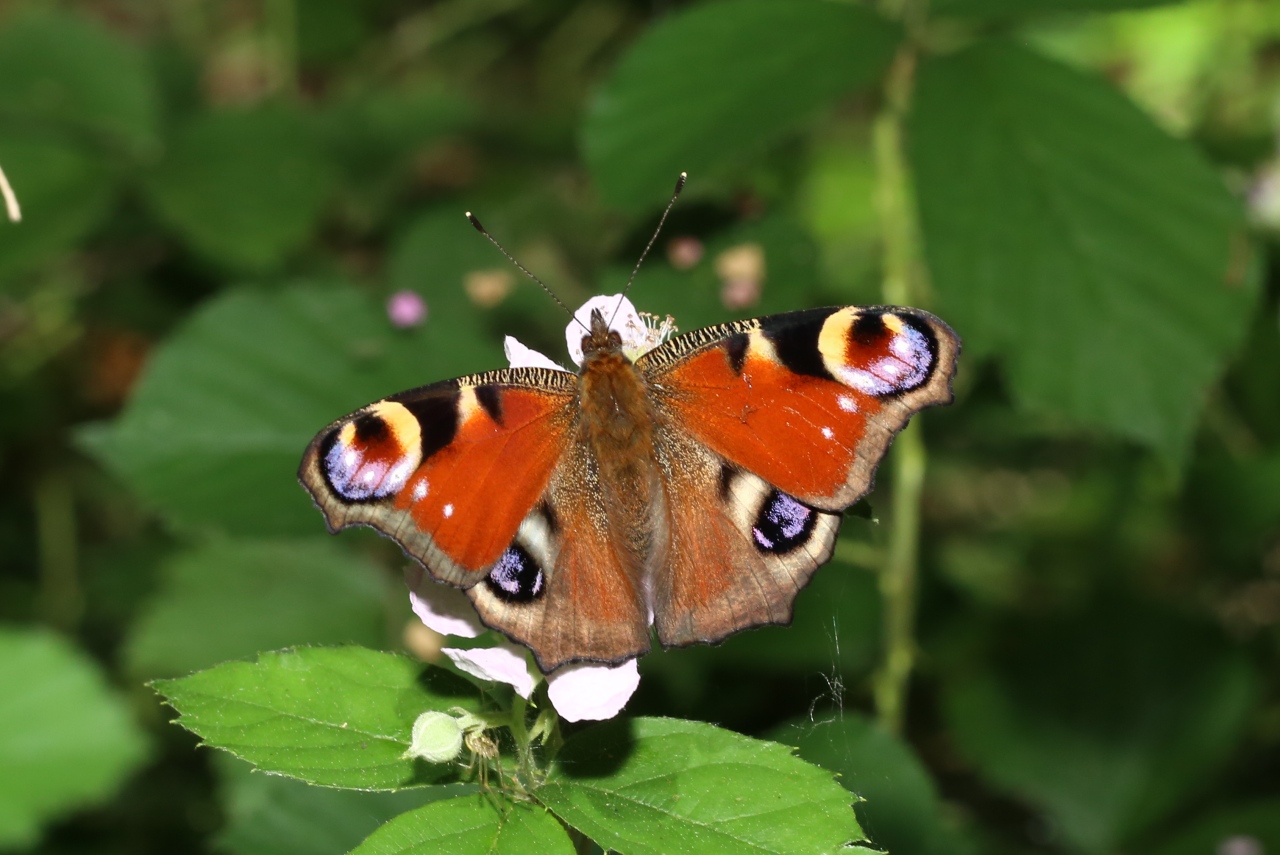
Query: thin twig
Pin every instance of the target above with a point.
(10, 200)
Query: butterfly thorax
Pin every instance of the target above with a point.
(616, 421)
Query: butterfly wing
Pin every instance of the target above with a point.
(563, 588)
(739, 549)
(449, 470)
(480, 479)
(787, 417)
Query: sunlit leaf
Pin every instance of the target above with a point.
(718, 82)
(1029, 8)
(65, 740)
(232, 599)
(1067, 233)
(654, 786)
(216, 428)
(470, 825)
(338, 717)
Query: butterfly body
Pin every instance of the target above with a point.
(691, 492)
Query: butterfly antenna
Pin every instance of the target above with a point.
(684, 176)
(482, 230)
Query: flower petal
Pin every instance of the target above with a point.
(504, 663)
(587, 691)
(621, 316)
(520, 356)
(441, 607)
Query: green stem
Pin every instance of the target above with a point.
(902, 268)
(900, 579)
(520, 735)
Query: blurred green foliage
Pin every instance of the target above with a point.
(219, 198)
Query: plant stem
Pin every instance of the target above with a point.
(902, 265)
(520, 735)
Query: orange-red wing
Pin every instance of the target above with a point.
(806, 400)
(567, 587)
(449, 470)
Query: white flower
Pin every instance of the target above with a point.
(640, 331)
(583, 691)
(589, 692)
(526, 357)
(443, 608)
(503, 663)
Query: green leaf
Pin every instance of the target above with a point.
(64, 191)
(719, 82)
(338, 717)
(232, 599)
(67, 72)
(271, 815)
(1069, 234)
(901, 811)
(216, 427)
(471, 825)
(667, 787)
(1257, 821)
(1002, 9)
(246, 187)
(65, 740)
(1132, 720)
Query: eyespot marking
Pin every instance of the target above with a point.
(877, 352)
(783, 524)
(516, 577)
(374, 454)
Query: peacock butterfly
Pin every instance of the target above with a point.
(693, 490)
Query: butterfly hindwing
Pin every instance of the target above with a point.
(449, 470)
(568, 587)
(739, 551)
(809, 400)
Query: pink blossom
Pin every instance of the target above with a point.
(406, 309)
(684, 252)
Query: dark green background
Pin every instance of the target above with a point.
(219, 197)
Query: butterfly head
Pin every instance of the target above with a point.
(600, 338)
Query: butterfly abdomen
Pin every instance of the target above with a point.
(617, 424)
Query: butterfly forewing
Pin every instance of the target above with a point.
(450, 470)
(806, 400)
(696, 490)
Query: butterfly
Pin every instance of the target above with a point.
(690, 492)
